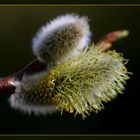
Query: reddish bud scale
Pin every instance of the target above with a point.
(106, 41)
(6, 86)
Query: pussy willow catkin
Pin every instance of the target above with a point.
(62, 38)
(79, 86)
(68, 74)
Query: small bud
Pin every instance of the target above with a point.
(106, 41)
(62, 38)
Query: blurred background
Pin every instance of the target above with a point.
(18, 24)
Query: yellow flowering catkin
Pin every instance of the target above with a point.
(81, 84)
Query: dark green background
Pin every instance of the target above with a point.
(18, 24)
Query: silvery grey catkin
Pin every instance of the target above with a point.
(62, 38)
(79, 79)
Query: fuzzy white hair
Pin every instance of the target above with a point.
(18, 103)
(58, 33)
(17, 100)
